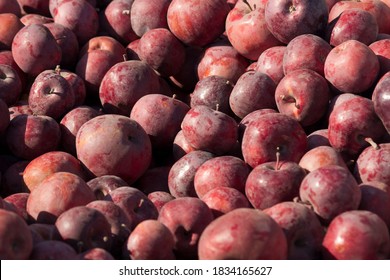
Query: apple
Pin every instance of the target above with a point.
(71, 123)
(369, 232)
(381, 49)
(51, 95)
(19, 108)
(84, 228)
(12, 179)
(270, 62)
(353, 24)
(146, 15)
(40, 7)
(272, 133)
(35, 49)
(159, 198)
(210, 130)
(56, 194)
(10, 85)
(154, 179)
(136, 205)
(330, 190)
(96, 254)
(186, 218)
(181, 146)
(321, 156)
(247, 30)
(53, 250)
(221, 59)
(222, 200)
(253, 91)
(271, 182)
(115, 20)
(213, 90)
(287, 19)
(6, 58)
(243, 234)
(103, 185)
(353, 124)
(29, 136)
(351, 67)
(306, 51)
(188, 20)
(10, 6)
(29, 19)
(372, 164)
(76, 83)
(114, 145)
(10, 25)
(18, 200)
(150, 240)
(46, 231)
(49, 163)
(250, 118)
(380, 99)
(303, 230)
(161, 117)
(318, 138)
(221, 171)
(136, 78)
(16, 238)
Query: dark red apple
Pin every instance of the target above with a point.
(321, 156)
(114, 145)
(10, 6)
(159, 198)
(5, 117)
(243, 234)
(186, 218)
(12, 179)
(53, 250)
(103, 185)
(181, 147)
(317, 138)
(357, 235)
(154, 179)
(270, 62)
(380, 98)
(10, 85)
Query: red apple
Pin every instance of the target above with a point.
(103, 185)
(181, 146)
(10, 85)
(154, 179)
(159, 198)
(382, 49)
(10, 6)
(243, 234)
(10, 24)
(96, 254)
(270, 62)
(35, 7)
(380, 99)
(321, 156)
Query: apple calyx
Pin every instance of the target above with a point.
(372, 143)
(292, 9)
(290, 99)
(126, 12)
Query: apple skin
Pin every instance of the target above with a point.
(159, 198)
(28, 19)
(10, 6)
(103, 185)
(146, 15)
(372, 164)
(351, 67)
(304, 95)
(250, 118)
(376, 199)
(318, 138)
(40, 7)
(253, 90)
(150, 240)
(221, 59)
(243, 234)
(287, 19)
(10, 25)
(380, 99)
(222, 200)
(270, 183)
(136, 78)
(307, 51)
(12, 179)
(84, 228)
(76, 83)
(49, 163)
(18, 200)
(187, 19)
(56, 194)
(96, 254)
(303, 230)
(80, 17)
(161, 117)
(35, 49)
(16, 238)
(114, 145)
(321, 156)
(29, 136)
(247, 30)
(7, 58)
(270, 62)
(53, 250)
(381, 47)
(186, 218)
(182, 173)
(181, 147)
(51, 95)
(213, 90)
(115, 21)
(136, 205)
(351, 123)
(269, 133)
(353, 24)
(71, 123)
(154, 179)
(222, 171)
(210, 130)
(10, 85)
(357, 235)
(330, 190)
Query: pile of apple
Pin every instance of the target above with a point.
(189, 129)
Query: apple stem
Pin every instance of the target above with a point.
(57, 69)
(174, 96)
(217, 107)
(372, 143)
(250, 7)
(124, 57)
(277, 158)
(126, 12)
(290, 99)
